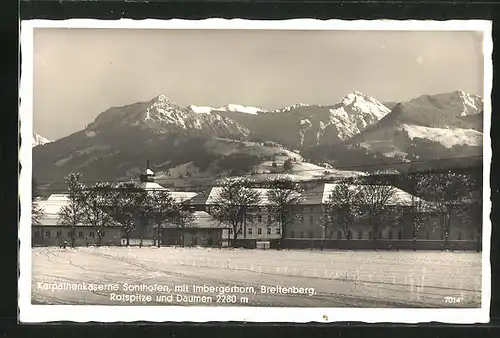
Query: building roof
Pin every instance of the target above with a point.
(51, 207)
(182, 196)
(400, 197)
(151, 186)
(201, 220)
(215, 192)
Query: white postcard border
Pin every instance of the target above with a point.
(29, 313)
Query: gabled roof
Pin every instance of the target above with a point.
(183, 196)
(201, 220)
(215, 192)
(151, 186)
(400, 197)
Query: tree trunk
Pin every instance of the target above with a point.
(159, 235)
(182, 238)
(235, 237)
(99, 239)
(73, 231)
(128, 238)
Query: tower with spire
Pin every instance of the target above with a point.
(148, 175)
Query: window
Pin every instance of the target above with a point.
(302, 234)
(428, 235)
(269, 219)
(80, 234)
(380, 234)
(389, 234)
(311, 234)
(339, 234)
(70, 233)
(278, 231)
(360, 234)
(259, 218)
(311, 210)
(400, 234)
(59, 234)
(259, 231)
(91, 234)
(311, 219)
(230, 231)
(47, 234)
(330, 235)
(268, 231)
(292, 234)
(370, 235)
(37, 234)
(460, 236)
(249, 230)
(103, 234)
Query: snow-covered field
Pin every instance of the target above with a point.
(338, 279)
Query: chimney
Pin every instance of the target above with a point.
(147, 164)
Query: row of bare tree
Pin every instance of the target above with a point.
(123, 204)
(106, 204)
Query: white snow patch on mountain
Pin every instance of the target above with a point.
(38, 140)
(236, 108)
(201, 109)
(447, 137)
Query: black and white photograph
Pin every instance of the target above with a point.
(264, 171)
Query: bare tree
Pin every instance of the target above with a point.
(124, 203)
(284, 196)
(183, 217)
(159, 208)
(96, 208)
(447, 193)
(71, 214)
(236, 201)
(342, 206)
(37, 213)
(377, 200)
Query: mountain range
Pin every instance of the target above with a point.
(196, 144)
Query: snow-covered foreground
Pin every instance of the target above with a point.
(327, 279)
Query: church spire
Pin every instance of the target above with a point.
(148, 175)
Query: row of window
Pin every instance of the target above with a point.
(390, 235)
(59, 234)
(259, 231)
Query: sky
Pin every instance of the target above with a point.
(79, 73)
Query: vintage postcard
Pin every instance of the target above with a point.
(257, 171)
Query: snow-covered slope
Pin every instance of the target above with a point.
(234, 108)
(447, 137)
(39, 140)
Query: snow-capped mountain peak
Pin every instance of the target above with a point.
(471, 104)
(39, 140)
(164, 116)
(355, 112)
